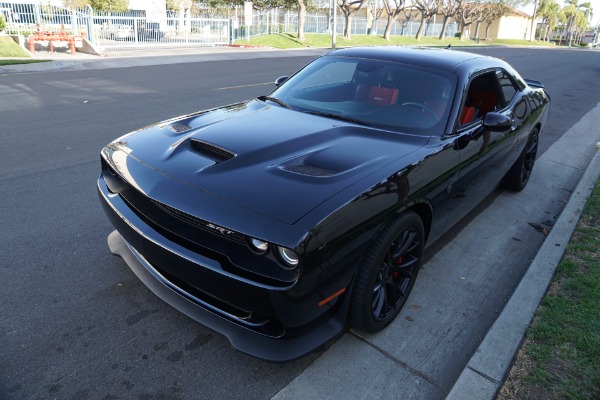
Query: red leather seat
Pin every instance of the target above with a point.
(468, 114)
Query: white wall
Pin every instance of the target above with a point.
(514, 27)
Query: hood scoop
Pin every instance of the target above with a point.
(310, 170)
(211, 151)
(180, 128)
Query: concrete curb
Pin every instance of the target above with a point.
(484, 374)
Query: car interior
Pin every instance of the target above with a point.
(483, 96)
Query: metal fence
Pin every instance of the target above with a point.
(362, 26)
(125, 30)
(287, 22)
(262, 24)
(136, 29)
(26, 17)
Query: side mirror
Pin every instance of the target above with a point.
(280, 80)
(496, 122)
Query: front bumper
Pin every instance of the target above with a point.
(264, 347)
(148, 254)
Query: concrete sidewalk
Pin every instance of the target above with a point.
(135, 58)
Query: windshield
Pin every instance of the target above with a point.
(372, 92)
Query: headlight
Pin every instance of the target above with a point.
(289, 257)
(260, 246)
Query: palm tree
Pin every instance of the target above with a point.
(572, 11)
(549, 11)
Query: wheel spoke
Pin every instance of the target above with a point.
(404, 286)
(404, 244)
(405, 270)
(378, 303)
(378, 284)
(407, 262)
(392, 294)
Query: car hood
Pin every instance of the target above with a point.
(269, 159)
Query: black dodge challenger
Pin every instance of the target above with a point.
(282, 220)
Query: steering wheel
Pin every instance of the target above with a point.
(422, 107)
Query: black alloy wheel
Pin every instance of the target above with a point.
(529, 159)
(517, 177)
(387, 273)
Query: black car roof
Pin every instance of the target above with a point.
(442, 59)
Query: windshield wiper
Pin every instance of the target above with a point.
(275, 100)
(342, 118)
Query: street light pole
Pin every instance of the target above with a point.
(334, 28)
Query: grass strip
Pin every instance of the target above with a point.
(560, 357)
(14, 62)
(8, 48)
(288, 41)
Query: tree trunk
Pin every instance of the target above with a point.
(301, 15)
(477, 26)
(388, 28)
(464, 34)
(420, 30)
(487, 31)
(347, 29)
(444, 26)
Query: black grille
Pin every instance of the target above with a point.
(200, 223)
(211, 151)
(310, 170)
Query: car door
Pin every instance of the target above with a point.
(483, 155)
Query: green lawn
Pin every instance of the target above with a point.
(287, 41)
(560, 358)
(8, 48)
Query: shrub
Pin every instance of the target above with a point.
(2, 23)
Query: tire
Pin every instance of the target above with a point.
(387, 273)
(517, 177)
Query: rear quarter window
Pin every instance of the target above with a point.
(507, 86)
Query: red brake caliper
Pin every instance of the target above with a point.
(398, 262)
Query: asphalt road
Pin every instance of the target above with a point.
(75, 322)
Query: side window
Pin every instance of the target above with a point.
(507, 86)
(483, 96)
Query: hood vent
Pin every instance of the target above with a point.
(309, 170)
(211, 151)
(180, 128)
